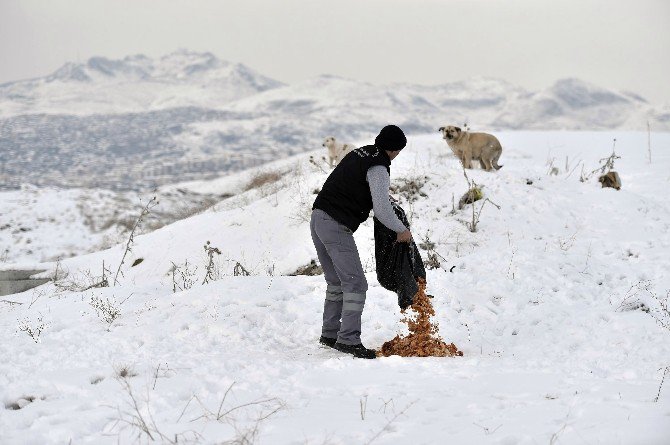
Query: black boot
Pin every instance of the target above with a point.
(330, 342)
(359, 350)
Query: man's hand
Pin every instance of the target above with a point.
(404, 237)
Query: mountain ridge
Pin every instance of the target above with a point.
(189, 115)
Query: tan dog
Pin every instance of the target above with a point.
(336, 150)
(610, 179)
(478, 146)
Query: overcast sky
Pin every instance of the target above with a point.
(618, 44)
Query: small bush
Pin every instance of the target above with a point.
(183, 276)
(211, 273)
(432, 261)
(474, 194)
(125, 371)
(410, 188)
(83, 281)
(263, 178)
(107, 311)
(34, 330)
(240, 270)
(310, 269)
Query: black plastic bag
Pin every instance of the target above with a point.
(399, 265)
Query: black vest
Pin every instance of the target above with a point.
(345, 195)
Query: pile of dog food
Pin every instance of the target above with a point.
(423, 339)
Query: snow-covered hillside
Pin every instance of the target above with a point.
(44, 224)
(552, 302)
(138, 123)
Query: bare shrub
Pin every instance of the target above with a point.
(410, 188)
(108, 311)
(162, 371)
(487, 429)
(131, 238)
(34, 330)
(84, 281)
(566, 243)
(11, 303)
(302, 213)
(246, 418)
(183, 276)
(658, 307)
(262, 179)
(364, 406)
(205, 203)
(476, 214)
(303, 198)
(59, 274)
(433, 258)
(317, 164)
(209, 268)
(387, 427)
(125, 371)
(124, 223)
(4, 256)
(552, 170)
(239, 270)
(660, 387)
(472, 225)
(310, 269)
(137, 416)
(606, 165)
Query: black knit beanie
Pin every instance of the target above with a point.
(391, 138)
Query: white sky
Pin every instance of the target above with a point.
(619, 44)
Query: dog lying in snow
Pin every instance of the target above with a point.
(478, 146)
(610, 179)
(336, 150)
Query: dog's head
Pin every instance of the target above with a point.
(449, 133)
(329, 141)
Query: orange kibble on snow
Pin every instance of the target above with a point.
(423, 339)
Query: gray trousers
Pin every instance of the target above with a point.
(345, 293)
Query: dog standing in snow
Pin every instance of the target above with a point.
(478, 146)
(336, 150)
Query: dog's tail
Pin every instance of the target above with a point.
(498, 167)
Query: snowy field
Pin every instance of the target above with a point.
(552, 302)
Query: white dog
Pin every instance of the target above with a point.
(336, 150)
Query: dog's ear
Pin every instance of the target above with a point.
(458, 129)
(440, 129)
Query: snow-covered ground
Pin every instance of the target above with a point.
(46, 223)
(533, 299)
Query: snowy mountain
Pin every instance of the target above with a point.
(577, 105)
(552, 301)
(133, 84)
(138, 123)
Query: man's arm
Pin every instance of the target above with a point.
(379, 181)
